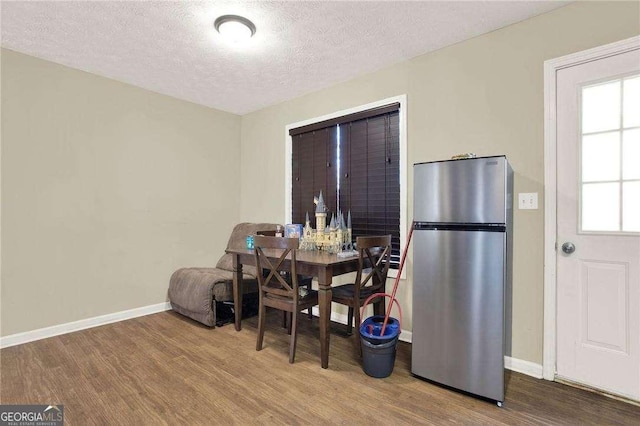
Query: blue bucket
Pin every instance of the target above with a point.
(371, 327)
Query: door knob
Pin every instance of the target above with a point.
(568, 247)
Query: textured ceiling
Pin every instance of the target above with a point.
(299, 47)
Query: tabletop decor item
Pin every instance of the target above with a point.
(333, 238)
(293, 230)
(249, 242)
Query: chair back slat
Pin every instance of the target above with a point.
(375, 253)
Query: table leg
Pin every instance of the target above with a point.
(237, 291)
(324, 306)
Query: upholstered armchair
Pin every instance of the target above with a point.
(193, 292)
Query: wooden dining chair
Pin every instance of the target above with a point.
(277, 290)
(303, 281)
(371, 276)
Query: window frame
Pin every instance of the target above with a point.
(402, 100)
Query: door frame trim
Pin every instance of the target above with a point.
(551, 67)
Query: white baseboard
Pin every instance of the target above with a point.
(56, 330)
(514, 364)
(405, 335)
(525, 367)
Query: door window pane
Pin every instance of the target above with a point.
(601, 157)
(631, 206)
(631, 154)
(631, 108)
(610, 156)
(601, 206)
(601, 107)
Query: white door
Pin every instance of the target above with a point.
(598, 212)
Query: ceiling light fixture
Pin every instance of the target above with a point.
(235, 28)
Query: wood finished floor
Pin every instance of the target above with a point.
(166, 369)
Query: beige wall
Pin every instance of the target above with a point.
(484, 95)
(106, 190)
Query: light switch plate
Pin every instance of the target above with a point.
(528, 201)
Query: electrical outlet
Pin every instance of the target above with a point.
(528, 201)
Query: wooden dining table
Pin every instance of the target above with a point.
(319, 264)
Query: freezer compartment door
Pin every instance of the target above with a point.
(462, 191)
(458, 310)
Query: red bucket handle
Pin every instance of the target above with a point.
(373, 296)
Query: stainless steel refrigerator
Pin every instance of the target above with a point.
(462, 243)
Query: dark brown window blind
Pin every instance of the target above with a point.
(367, 145)
(311, 169)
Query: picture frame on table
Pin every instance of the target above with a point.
(293, 230)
